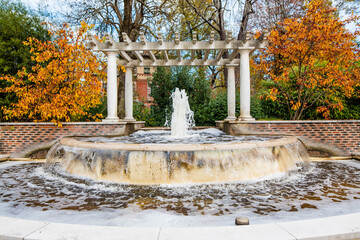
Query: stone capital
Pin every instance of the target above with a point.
(245, 51)
(230, 65)
(112, 53)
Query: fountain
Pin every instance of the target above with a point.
(182, 117)
(180, 157)
(195, 178)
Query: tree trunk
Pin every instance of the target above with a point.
(245, 18)
(248, 10)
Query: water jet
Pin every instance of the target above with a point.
(178, 156)
(200, 178)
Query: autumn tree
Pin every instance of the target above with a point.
(311, 60)
(65, 82)
(115, 17)
(272, 13)
(16, 25)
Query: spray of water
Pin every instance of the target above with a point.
(182, 117)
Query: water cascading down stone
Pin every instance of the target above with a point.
(179, 156)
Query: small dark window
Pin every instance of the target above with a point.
(147, 70)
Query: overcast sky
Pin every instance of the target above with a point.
(52, 7)
(56, 7)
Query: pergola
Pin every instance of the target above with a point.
(135, 54)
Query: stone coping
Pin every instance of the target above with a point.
(124, 122)
(337, 227)
(291, 121)
(72, 142)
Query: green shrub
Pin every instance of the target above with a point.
(143, 113)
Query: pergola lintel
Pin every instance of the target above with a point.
(176, 62)
(169, 46)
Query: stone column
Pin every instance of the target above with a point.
(245, 86)
(231, 93)
(129, 95)
(112, 88)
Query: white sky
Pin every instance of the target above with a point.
(56, 7)
(53, 5)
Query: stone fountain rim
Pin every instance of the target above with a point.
(72, 142)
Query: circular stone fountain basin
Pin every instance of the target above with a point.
(320, 189)
(217, 159)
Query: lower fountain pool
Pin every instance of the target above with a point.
(157, 157)
(318, 189)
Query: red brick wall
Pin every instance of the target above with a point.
(19, 139)
(142, 90)
(339, 135)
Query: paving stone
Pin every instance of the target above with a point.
(338, 227)
(14, 228)
(60, 231)
(255, 232)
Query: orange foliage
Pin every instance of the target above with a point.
(312, 60)
(66, 81)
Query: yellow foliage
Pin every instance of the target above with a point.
(65, 83)
(312, 59)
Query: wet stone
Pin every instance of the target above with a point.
(27, 187)
(241, 221)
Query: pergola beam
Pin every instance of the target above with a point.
(220, 54)
(176, 62)
(125, 56)
(92, 41)
(160, 38)
(229, 37)
(138, 56)
(234, 54)
(192, 55)
(261, 41)
(109, 40)
(152, 56)
(194, 37)
(142, 38)
(247, 36)
(177, 38)
(126, 38)
(169, 46)
(212, 36)
(166, 57)
(206, 55)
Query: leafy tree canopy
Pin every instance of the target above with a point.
(16, 25)
(312, 61)
(63, 85)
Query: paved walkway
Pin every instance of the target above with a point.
(339, 227)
